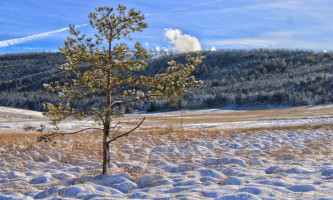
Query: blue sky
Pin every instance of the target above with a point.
(40, 25)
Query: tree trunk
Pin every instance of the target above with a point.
(106, 148)
(106, 135)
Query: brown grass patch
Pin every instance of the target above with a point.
(74, 147)
(18, 138)
(304, 112)
(93, 139)
(89, 144)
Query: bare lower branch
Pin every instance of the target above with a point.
(134, 100)
(51, 136)
(71, 133)
(127, 133)
(118, 124)
(77, 113)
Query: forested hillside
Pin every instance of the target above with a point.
(237, 78)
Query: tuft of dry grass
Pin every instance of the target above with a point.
(18, 138)
(72, 148)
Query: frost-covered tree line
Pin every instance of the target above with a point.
(239, 78)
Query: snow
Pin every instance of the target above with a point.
(239, 196)
(151, 180)
(232, 180)
(60, 94)
(301, 188)
(266, 164)
(273, 170)
(327, 172)
(15, 111)
(39, 180)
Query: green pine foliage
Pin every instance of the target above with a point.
(103, 69)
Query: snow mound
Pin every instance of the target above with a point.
(109, 180)
(236, 161)
(256, 161)
(215, 161)
(301, 188)
(151, 181)
(14, 195)
(327, 172)
(252, 190)
(285, 157)
(39, 180)
(273, 170)
(239, 196)
(211, 173)
(274, 183)
(296, 171)
(159, 149)
(182, 168)
(210, 194)
(15, 174)
(125, 186)
(232, 180)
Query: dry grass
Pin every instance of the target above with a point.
(172, 126)
(181, 133)
(79, 142)
(71, 148)
(303, 112)
(18, 138)
(282, 128)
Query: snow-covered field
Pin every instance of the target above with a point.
(252, 156)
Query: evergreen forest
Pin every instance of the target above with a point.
(238, 79)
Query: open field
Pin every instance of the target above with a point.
(18, 119)
(203, 154)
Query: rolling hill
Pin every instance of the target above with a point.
(232, 78)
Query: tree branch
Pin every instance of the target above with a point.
(50, 136)
(77, 113)
(71, 133)
(134, 100)
(127, 133)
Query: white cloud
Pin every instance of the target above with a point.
(10, 42)
(246, 43)
(182, 42)
(184, 8)
(213, 48)
(195, 5)
(147, 45)
(279, 39)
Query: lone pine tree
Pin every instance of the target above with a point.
(105, 66)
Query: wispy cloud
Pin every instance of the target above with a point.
(185, 8)
(279, 39)
(196, 5)
(245, 43)
(10, 42)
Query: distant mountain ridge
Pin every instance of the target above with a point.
(238, 78)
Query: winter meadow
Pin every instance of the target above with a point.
(117, 114)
